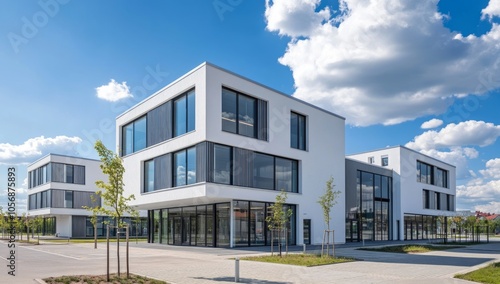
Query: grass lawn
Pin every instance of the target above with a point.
(489, 274)
(411, 248)
(299, 259)
(101, 279)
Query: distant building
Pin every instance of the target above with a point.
(423, 189)
(58, 187)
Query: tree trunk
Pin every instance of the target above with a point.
(118, 248)
(95, 235)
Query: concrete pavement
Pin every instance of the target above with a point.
(216, 265)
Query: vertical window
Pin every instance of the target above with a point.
(239, 114)
(426, 199)
(184, 114)
(441, 177)
(140, 134)
(134, 136)
(424, 173)
(371, 160)
(246, 116)
(285, 175)
(228, 111)
(149, 176)
(222, 164)
(128, 142)
(385, 161)
(68, 173)
(263, 171)
(297, 131)
(68, 199)
(185, 167)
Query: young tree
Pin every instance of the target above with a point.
(115, 203)
(95, 215)
(327, 201)
(279, 218)
(37, 223)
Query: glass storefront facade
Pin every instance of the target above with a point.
(423, 227)
(370, 218)
(137, 227)
(210, 225)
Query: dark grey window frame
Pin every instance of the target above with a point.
(300, 129)
(123, 141)
(184, 96)
(260, 116)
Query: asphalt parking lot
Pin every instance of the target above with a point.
(216, 265)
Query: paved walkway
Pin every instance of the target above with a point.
(216, 265)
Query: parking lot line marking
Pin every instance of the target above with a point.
(53, 253)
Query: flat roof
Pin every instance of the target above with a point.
(63, 156)
(234, 74)
(404, 147)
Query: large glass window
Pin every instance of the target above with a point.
(424, 172)
(69, 173)
(239, 113)
(298, 131)
(441, 177)
(263, 171)
(241, 225)
(222, 164)
(149, 176)
(184, 113)
(68, 199)
(185, 167)
(286, 175)
(134, 136)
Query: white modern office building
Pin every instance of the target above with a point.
(58, 187)
(207, 155)
(423, 191)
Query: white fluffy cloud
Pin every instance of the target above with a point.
(492, 169)
(113, 91)
(467, 133)
(492, 10)
(34, 148)
(491, 207)
(433, 123)
(455, 143)
(382, 61)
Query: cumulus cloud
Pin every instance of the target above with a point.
(492, 169)
(382, 61)
(113, 91)
(492, 10)
(433, 123)
(34, 148)
(466, 133)
(455, 143)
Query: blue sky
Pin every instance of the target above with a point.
(389, 66)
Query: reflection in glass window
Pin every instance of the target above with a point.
(246, 116)
(284, 176)
(149, 176)
(140, 134)
(69, 174)
(68, 199)
(239, 113)
(184, 114)
(185, 167)
(263, 171)
(128, 139)
(222, 164)
(298, 131)
(228, 111)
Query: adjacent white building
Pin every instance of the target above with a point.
(423, 190)
(58, 187)
(207, 155)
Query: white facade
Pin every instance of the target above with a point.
(322, 158)
(56, 205)
(409, 197)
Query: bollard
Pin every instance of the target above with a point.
(304, 249)
(236, 270)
